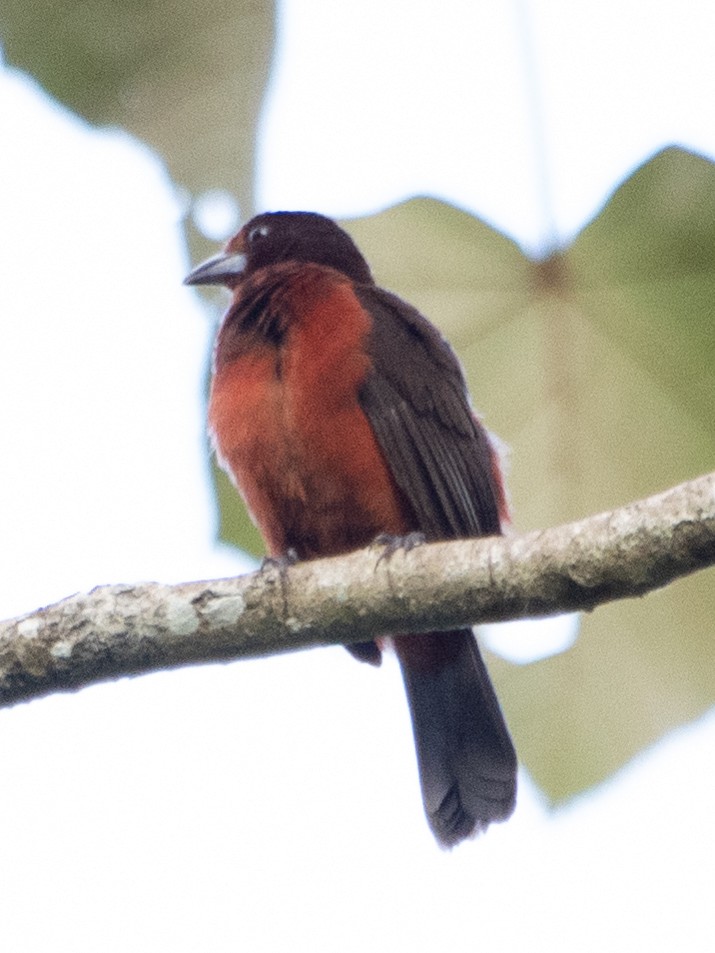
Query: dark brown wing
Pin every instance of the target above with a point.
(440, 456)
(416, 400)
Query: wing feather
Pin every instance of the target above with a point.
(416, 400)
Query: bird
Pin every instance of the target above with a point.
(342, 416)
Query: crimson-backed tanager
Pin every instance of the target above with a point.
(341, 414)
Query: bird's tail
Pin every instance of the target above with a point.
(466, 759)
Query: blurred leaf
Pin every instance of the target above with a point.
(597, 367)
(187, 78)
(235, 525)
(638, 670)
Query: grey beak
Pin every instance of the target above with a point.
(222, 269)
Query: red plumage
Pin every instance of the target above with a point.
(342, 414)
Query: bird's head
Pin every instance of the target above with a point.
(275, 237)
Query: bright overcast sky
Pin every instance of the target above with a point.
(274, 805)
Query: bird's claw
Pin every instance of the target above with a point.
(279, 563)
(391, 544)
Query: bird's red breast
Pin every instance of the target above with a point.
(286, 420)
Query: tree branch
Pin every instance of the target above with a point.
(121, 630)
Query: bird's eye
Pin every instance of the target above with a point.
(257, 233)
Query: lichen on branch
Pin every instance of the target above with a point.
(121, 630)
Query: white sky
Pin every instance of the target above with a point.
(274, 805)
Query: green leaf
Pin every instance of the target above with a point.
(187, 78)
(597, 366)
(235, 525)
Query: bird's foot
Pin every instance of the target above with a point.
(275, 571)
(279, 565)
(391, 544)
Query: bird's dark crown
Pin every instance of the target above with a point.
(274, 237)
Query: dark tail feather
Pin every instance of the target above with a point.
(466, 759)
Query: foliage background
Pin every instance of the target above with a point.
(589, 350)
